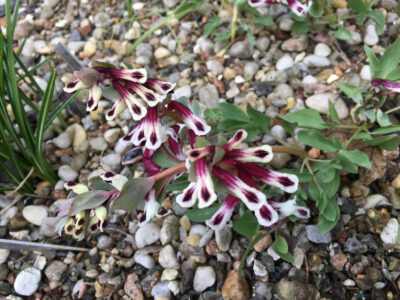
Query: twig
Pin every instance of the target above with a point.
(21, 184)
(31, 246)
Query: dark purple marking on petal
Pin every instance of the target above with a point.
(141, 135)
(71, 183)
(90, 102)
(111, 112)
(79, 231)
(265, 212)
(153, 138)
(109, 174)
(162, 211)
(166, 86)
(80, 222)
(142, 218)
(205, 193)
(127, 137)
(303, 212)
(218, 219)
(70, 228)
(194, 153)
(93, 227)
(188, 195)
(261, 153)
(72, 84)
(150, 97)
(137, 75)
(136, 109)
(285, 181)
(252, 197)
(199, 125)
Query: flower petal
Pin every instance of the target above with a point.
(149, 96)
(262, 154)
(77, 188)
(224, 213)
(115, 110)
(289, 208)
(188, 196)
(118, 181)
(199, 153)
(297, 7)
(266, 215)
(74, 86)
(161, 87)
(192, 121)
(387, 84)
(150, 165)
(136, 108)
(205, 185)
(250, 196)
(94, 97)
(286, 182)
(261, 3)
(137, 135)
(135, 75)
(154, 131)
(239, 136)
(151, 207)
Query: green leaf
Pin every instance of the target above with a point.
(202, 214)
(333, 113)
(300, 27)
(88, 200)
(99, 185)
(223, 36)
(306, 118)
(387, 129)
(331, 211)
(351, 91)
(133, 193)
(178, 185)
(341, 34)
(357, 157)
(230, 111)
(387, 142)
(390, 59)
(231, 124)
(246, 225)
(316, 9)
(382, 118)
(258, 119)
(331, 188)
(359, 6)
(324, 225)
(211, 25)
(264, 20)
(373, 61)
(281, 248)
(379, 20)
(162, 159)
(317, 140)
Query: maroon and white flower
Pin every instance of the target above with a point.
(192, 121)
(224, 213)
(294, 5)
(151, 207)
(290, 207)
(387, 84)
(134, 75)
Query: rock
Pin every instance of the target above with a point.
(263, 88)
(161, 53)
(35, 214)
(183, 91)
(203, 278)
(285, 62)
(79, 140)
(143, 259)
(285, 24)
(63, 141)
(169, 274)
(315, 236)
(147, 235)
(263, 243)
(275, 76)
(169, 230)
(390, 232)
(215, 67)
(353, 245)
(161, 290)
(208, 95)
(250, 69)
(102, 19)
(376, 200)
(241, 50)
(295, 44)
(167, 258)
(112, 135)
(294, 289)
(316, 61)
(371, 37)
(259, 270)
(223, 238)
(262, 43)
(23, 29)
(232, 92)
(4, 253)
(40, 262)
(112, 161)
(48, 227)
(88, 50)
(98, 143)
(132, 287)
(27, 281)
(320, 102)
(235, 287)
(170, 3)
(365, 73)
(66, 173)
(55, 273)
(104, 242)
(322, 49)
(277, 131)
(85, 27)
(309, 79)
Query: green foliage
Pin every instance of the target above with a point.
(281, 248)
(133, 193)
(203, 214)
(246, 225)
(387, 66)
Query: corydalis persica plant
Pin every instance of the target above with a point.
(167, 127)
(294, 5)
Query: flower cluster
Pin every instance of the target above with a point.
(167, 125)
(387, 84)
(294, 5)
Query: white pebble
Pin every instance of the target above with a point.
(144, 259)
(167, 258)
(371, 38)
(320, 102)
(27, 281)
(365, 73)
(35, 214)
(147, 235)
(66, 173)
(112, 161)
(203, 278)
(309, 79)
(322, 49)
(316, 61)
(390, 232)
(4, 253)
(63, 141)
(285, 62)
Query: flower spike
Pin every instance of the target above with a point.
(289, 208)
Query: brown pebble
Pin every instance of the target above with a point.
(235, 287)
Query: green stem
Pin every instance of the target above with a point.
(253, 241)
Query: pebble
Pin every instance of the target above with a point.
(215, 67)
(223, 238)
(376, 200)
(161, 53)
(88, 50)
(365, 73)
(170, 3)
(293, 289)
(35, 214)
(320, 102)
(104, 242)
(79, 140)
(55, 273)
(371, 37)
(349, 282)
(250, 69)
(48, 227)
(143, 259)
(66, 173)
(241, 50)
(203, 278)
(112, 135)
(27, 281)
(390, 232)
(309, 79)
(285, 62)
(98, 143)
(112, 161)
(167, 258)
(295, 44)
(316, 61)
(315, 236)
(63, 141)
(235, 287)
(170, 230)
(232, 92)
(183, 91)
(279, 132)
(322, 49)
(4, 253)
(132, 287)
(23, 29)
(262, 43)
(353, 245)
(40, 262)
(169, 274)
(147, 235)
(208, 95)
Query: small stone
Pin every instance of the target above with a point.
(169, 230)
(112, 160)
(161, 291)
(169, 274)
(215, 67)
(102, 19)
(295, 44)
(223, 238)
(112, 135)
(23, 29)
(85, 27)
(147, 235)
(285, 62)
(161, 53)
(241, 50)
(183, 91)
(208, 95)
(66, 173)
(167, 258)
(203, 278)
(349, 283)
(55, 273)
(232, 92)
(193, 239)
(338, 261)
(316, 61)
(185, 223)
(104, 242)
(4, 253)
(294, 289)
(365, 73)
(88, 50)
(376, 200)
(396, 182)
(143, 259)
(315, 236)
(339, 4)
(132, 287)
(278, 132)
(250, 69)
(79, 140)
(27, 281)
(262, 43)
(371, 38)
(353, 245)
(48, 227)
(170, 3)
(390, 232)
(309, 79)
(63, 141)
(235, 287)
(322, 49)
(320, 102)
(263, 243)
(40, 262)
(35, 214)
(98, 143)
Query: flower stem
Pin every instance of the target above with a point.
(170, 171)
(289, 150)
